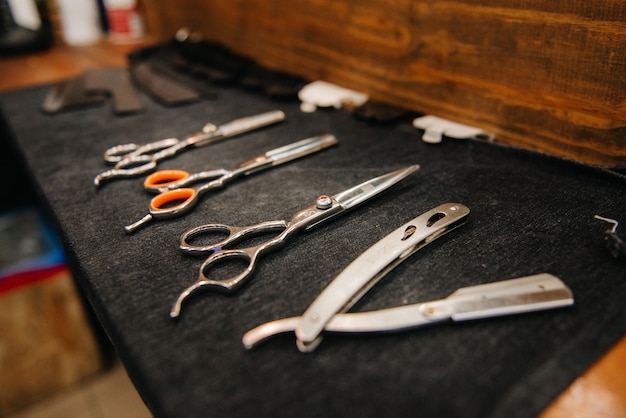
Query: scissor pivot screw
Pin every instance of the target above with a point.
(324, 202)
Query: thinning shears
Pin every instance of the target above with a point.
(175, 199)
(325, 208)
(328, 310)
(132, 160)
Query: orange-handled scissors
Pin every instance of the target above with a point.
(132, 160)
(325, 208)
(175, 198)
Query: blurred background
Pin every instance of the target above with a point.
(55, 360)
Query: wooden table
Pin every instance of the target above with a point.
(600, 392)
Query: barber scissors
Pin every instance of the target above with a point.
(131, 159)
(327, 312)
(171, 184)
(325, 208)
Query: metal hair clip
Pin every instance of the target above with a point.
(614, 243)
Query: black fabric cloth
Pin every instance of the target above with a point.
(530, 214)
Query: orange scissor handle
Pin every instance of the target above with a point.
(184, 196)
(164, 178)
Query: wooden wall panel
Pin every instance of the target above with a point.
(546, 75)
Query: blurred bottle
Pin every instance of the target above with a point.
(24, 26)
(124, 20)
(80, 20)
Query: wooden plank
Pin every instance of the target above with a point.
(597, 393)
(542, 75)
(62, 62)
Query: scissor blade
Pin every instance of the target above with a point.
(300, 149)
(370, 188)
(367, 269)
(249, 123)
(286, 153)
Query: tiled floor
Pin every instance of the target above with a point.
(108, 395)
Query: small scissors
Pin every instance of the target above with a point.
(171, 184)
(325, 208)
(327, 312)
(131, 159)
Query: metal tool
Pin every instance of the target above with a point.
(371, 266)
(326, 312)
(614, 243)
(131, 159)
(325, 208)
(171, 184)
(506, 297)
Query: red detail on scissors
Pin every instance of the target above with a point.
(163, 178)
(170, 196)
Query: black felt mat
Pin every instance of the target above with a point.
(530, 214)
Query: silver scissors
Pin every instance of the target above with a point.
(327, 312)
(131, 159)
(171, 184)
(325, 208)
